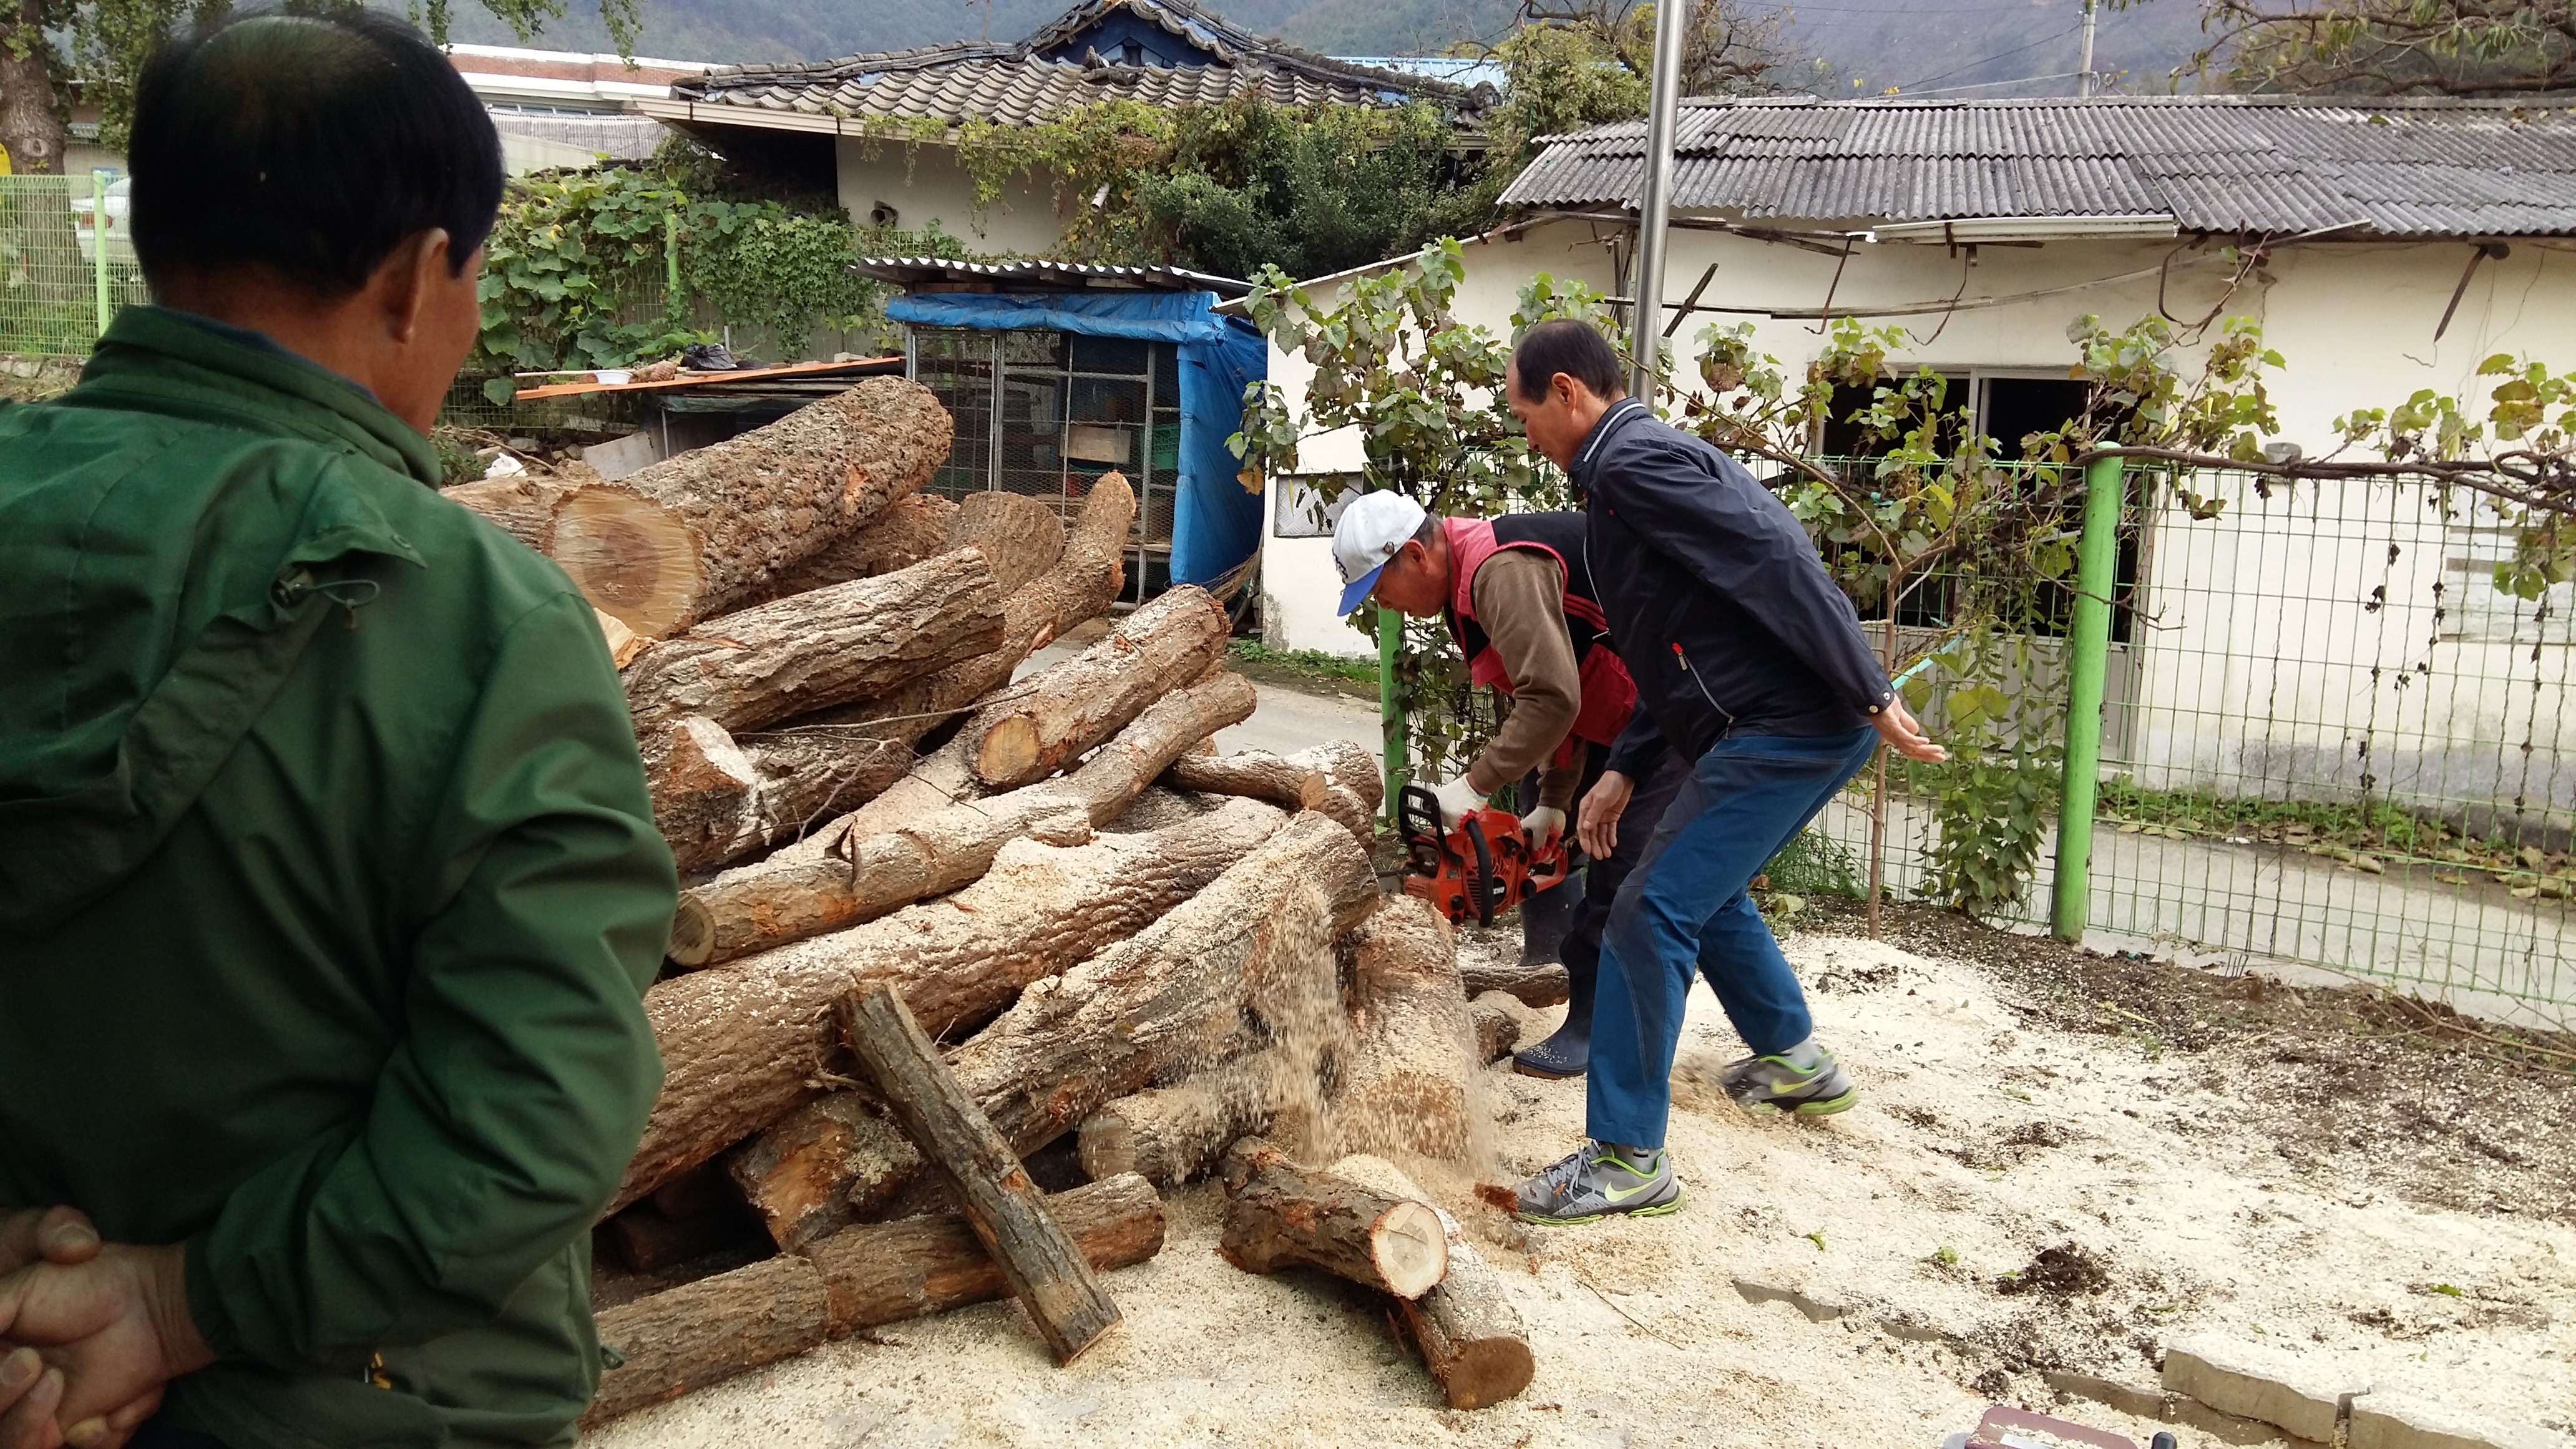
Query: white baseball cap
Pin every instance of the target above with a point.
(1370, 531)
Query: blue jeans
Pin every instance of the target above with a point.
(1684, 908)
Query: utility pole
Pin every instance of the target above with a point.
(2084, 67)
(1646, 313)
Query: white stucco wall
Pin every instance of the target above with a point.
(925, 183)
(2261, 661)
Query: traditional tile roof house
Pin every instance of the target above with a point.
(1159, 52)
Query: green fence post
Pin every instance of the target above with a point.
(98, 241)
(2088, 650)
(1390, 638)
(671, 298)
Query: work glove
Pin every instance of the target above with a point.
(1543, 826)
(1457, 800)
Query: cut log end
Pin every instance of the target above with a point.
(631, 557)
(1009, 750)
(1411, 1249)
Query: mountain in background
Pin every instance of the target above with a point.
(1917, 45)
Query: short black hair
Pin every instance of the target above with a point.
(311, 145)
(1576, 349)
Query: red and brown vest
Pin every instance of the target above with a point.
(1608, 693)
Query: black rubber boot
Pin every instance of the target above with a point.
(1546, 917)
(1568, 1053)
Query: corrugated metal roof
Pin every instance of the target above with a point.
(1040, 78)
(2213, 163)
(914, 271)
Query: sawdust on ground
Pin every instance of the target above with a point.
(2061, 1162)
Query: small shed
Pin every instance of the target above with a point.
(1059, 372)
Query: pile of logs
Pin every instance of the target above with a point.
(945, 915)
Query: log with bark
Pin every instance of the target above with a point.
(1169, 1135)
(1529, 985)
(1502, 1023)
(811, 651)
(743, 1046)
(1470, 1334)
(706, 531)
(1290, 783)
(886, 1272)
(523, 504)
(1020, 536)
(759, 907)
(1058, 713)
(685, 1338)
(1046, 1271)
(808, 1174)
(898, 788)
(1407, 1087)
(911, 529)
(1285, 1214)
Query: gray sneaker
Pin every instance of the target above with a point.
(1598, 1180)
(1774, 1084)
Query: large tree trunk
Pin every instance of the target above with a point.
(1047, 1273)
(1059, 712)
(744, 1045)
(702, 1333)
(1288, 1214)
(1407, 1088)
(31, 119)
(1084, 580)
(910, 530)
(757, 908)
(815, 650)
(887, 1272)
(693, 536)
(1022, 537)
(523, 504)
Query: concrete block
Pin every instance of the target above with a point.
(2255, 1381)
(2129, 1399)
(2191, 1413)
(2401, 1421)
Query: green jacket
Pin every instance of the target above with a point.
(328, 895)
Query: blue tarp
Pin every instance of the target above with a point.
(1215, 523)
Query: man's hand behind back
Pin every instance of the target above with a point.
(106, 1329)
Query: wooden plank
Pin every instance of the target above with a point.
(694, 379)
(1044, 1267)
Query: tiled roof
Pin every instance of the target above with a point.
(914, 271)
(2213, 163)
(1022, 84)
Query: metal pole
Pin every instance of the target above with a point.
(1390, 639)
(98, 243)
(1654, 211)
(2084, 67)
(2088, 651)
(671, 298)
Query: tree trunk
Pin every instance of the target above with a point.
(1081, 584)
(693, 536)
(754, 909)
(1169, 1135)
(1047, 1273)
(1059, 712)
(31, 118)
(812, 1171)
(1407, 1088)
(702, 1333)
(1256, 773)
(910, 530)
(1022, 537)
(1529, 985)
(745, 1045)
(887, 1272)
(1348, 765)
(815, 650)
(523, 504)
(1288, 1214)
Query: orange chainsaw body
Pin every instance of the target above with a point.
(1477, 869)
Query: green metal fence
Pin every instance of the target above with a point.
(66, 263)
(2326, 738)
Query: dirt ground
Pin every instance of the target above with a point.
(2061, 1162)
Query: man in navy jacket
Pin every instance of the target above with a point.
(1750, 664)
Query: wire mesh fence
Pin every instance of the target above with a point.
(2329, 739)
(66, 263)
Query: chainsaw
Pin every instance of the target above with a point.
(1479, 868)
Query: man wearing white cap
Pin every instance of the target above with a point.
(1521, 610)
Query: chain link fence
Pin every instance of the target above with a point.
(2329, 739)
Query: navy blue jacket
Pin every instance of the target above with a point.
(1718, 603)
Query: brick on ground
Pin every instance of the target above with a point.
(2401, 1421)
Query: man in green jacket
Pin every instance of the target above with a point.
(328, 884)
